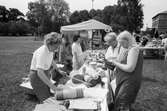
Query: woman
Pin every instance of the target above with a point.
(165, 49)
(128, 72)
(41, 62)
(65, 55)
(77, 53)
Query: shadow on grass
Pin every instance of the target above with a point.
(147, 79)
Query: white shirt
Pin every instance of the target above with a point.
(112, 52)
(42, 58)
(164, 41)
(76, 48)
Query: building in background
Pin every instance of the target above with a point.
(159, 22)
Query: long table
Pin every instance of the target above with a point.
(153, 51)
(92, 95)
(152, 48)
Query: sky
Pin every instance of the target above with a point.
(150, 9)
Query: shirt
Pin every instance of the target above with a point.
(42, 58)
(112, 52)
(164, 41)
(76, 48)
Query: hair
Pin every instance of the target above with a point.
(111, 35)
(75, 38)
(52, 38)
(125, 35)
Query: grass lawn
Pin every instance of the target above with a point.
(15, 58)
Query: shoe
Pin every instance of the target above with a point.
(111, 107)
(32, 98)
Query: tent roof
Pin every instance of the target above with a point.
(86, 25)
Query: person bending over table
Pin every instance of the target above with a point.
(41, 62)
(128, 72)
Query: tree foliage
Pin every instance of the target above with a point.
(75, 18)
(47, 16)
(11, 14)
(3, 14)
(126, 15)
(12, 22)
(14, 14)
(131, 14)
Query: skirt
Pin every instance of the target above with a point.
(41, 90)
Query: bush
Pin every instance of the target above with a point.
(4, 28)
(15, 28)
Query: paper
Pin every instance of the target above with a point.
(97, 93)
(50, 107)
(26, 85)
(60, 65)
(84, 103)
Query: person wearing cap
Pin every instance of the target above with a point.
(41, 62)
(129, 65)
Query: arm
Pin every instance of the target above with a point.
(59, 70)
(60, 53)
(74, 52)
(54, 65)
(44, 78)
(131, 61)
(76, 58)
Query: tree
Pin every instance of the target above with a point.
(99, 15)
(4, 28)
(59, 8)
(108, 14)
(131, 14)
(37, 14)
(84, 15)
(48, 15)
(14, 14)
(4, 13)
(59, 13)
(92, 13)
(75, 18)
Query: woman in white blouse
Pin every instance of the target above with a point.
(128, 72)
(77, 53)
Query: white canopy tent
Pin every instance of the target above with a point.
(87, 25)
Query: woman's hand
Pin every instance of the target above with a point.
(54, 88)
(62, 72)
(110, 65)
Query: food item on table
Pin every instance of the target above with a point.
(77, 79)
(69, 94)
(94, 81)
(93, 64)
(87, 78)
